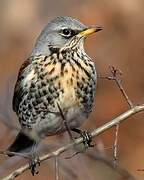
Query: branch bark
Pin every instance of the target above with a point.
(95, 132)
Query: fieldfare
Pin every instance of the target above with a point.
(57, 76)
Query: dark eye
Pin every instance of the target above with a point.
(67, 32)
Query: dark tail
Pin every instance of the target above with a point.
(22, 143)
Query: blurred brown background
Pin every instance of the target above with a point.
(120, 44)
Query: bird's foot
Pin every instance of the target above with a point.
(87, 138)
(33, 164)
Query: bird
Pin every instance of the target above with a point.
(57, 77)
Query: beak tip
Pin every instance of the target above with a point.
(98, 29)
(90, 30)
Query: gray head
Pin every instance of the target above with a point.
(60, 32)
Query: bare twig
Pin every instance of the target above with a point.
(116, 145)
(95, 132)
(56, 168)
(115, 75)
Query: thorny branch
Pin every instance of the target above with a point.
(119, 119)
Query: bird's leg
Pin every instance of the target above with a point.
(87, 138)
(65, 122)
(34, 162)
(33, 166)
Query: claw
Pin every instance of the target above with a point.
(35, 161)
(87, 138)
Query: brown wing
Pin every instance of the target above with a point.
(19, 89)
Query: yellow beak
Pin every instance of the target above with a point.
(89, 31)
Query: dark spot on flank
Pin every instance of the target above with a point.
(91, 65)
(59, 85)
(46, 64)
(49, 99)
(43, 83)
(42, 69)
(51, 90)
(34, 103)
(87, 73)
(24, 108)
(41, 76)
(62, 73)
(44, 92)
(39, 85)
(33, 85)
(37, 95)
(80, 85)
(62, 90)
(77, 76)
(45, 58)
(66, 71)
(35, 63)
(52, 70)
(38, 101)
(45, 73)
(86, 63)
(45, 104)
(54, 61)
(62, 67)
(29, 107)
(83, 79)
(73, 68)
(86, 90)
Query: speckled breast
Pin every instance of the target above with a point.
(67, 78)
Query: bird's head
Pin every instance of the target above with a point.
(62, 32)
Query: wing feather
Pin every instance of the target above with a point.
(19, 90)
